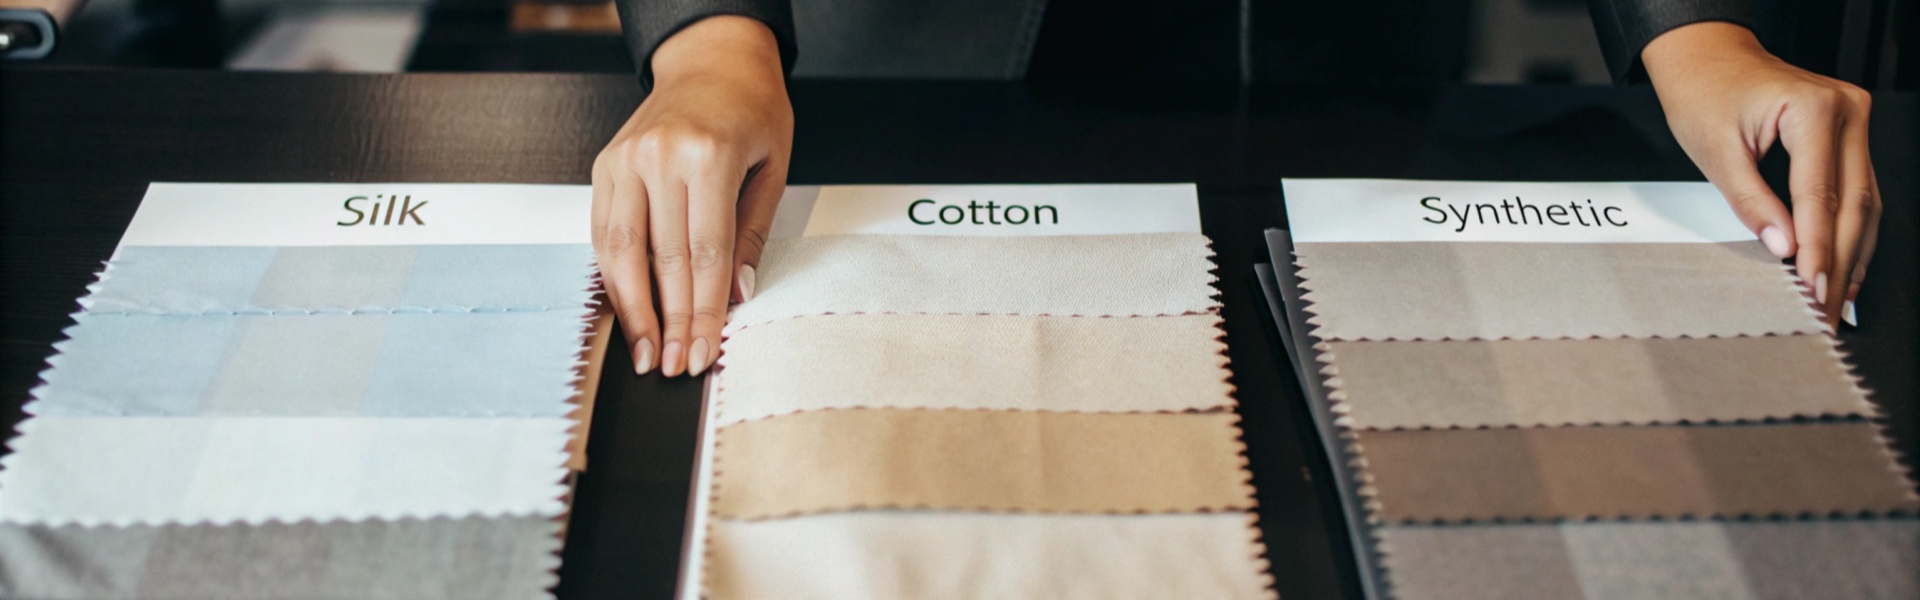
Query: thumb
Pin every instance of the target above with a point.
(1735, 173)
(759, 199)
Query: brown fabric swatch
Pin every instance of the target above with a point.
(1632, 471)
(1475, 383)
(990, 460)
(1495, 290)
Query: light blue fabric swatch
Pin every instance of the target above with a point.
(518, 364)
(303, 279)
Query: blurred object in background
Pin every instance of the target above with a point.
(29, 29)
(522, 35)
(366, 38)
(1535, 41)
(562, 16)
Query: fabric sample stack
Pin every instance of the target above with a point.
(367, 421)
(903, 416)
(1604, 420)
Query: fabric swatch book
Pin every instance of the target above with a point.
(314, 390)
(1581, 390)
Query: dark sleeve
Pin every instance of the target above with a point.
(1626, 26)
(647, 23)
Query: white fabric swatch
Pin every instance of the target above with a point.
(918, 554)
(1093, 275)
(1091, 364)
(156, 470)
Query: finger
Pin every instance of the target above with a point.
(1735, 172)
(623, 261)
(1813, 178)
(1869, 240)
(668, 213)
(710, 215)
(759, 200)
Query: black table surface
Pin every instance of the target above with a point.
(78, 147)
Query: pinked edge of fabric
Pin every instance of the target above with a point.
(1317, 319)
(1864, 407)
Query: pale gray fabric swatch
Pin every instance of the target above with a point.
(1086, 275)
(455, 559)
(1497, 290)
(1863, 559)
(510, 364)
(252, 279)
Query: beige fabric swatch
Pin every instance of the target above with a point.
(1093, 275)
(1090, 364)
(986, 460)
(1463, 290)
(1475, 383)
(1631, 471)
(923, 554)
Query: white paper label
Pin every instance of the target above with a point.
(1004, 210)
(359, 214)
(1383, 210)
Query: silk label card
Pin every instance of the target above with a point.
(1442, 290)
(982, 460)
(920, 554)
(479, 364)
(1095, 275)
(506, 558)
(1000, 362)
(1635, 471)
(359, 214)
(156, 470)
(1389, 210)
(1853, 558)
(1482, 383)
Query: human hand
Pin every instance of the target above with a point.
(684, 194)
(1727, 101)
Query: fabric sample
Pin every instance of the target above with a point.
(980, 460)
(1871, 559)
(1093, 275)
(1455, 290)
(454, 559)
(442, 365)
(1632, 471)
(152, 470)
(299, 279)
(1478, 383)
(914, 554)
(1000, 362)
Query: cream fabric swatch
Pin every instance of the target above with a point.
(1478, 383)
(1091, 275)
(156, 470)
(985, 460)
(1494, 290)
(915, 554)
(1631, 471)
(1089, 364)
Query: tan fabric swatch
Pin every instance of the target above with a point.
(1464, 290)
(1089, 364)
(979, 460)
(1475, 383)
(1632, 471)
(1093, 275)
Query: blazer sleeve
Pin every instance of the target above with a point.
(1626, 26)
(648, 23)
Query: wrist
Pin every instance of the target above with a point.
(1680, 50)
(726, 45)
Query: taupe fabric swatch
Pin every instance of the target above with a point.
(1475, 383)
(1634, 471)
(1465, 290)
(1091, 275)
(1089, 364)
(456, 559)
(1870, 559)
(987, 460)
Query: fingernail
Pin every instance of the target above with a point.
(1820, 288)
(671, 358)
(1847, 314)
(698, 356)
(746, 282)
(642, 357)
(1776, 241)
